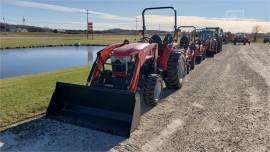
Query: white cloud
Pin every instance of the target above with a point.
(239, 25)
(45, 6)
(59, 8)
(166, 23)
(153, 21)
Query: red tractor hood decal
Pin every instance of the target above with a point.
(129, 49)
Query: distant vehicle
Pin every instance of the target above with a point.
(209, 42)
(227, 37)
(218, 35)
(240, 38)
(266, 39)
(188, 46)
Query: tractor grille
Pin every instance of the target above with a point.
(119, 69)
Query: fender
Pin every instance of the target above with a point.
(163, 59)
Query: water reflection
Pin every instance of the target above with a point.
(15, 62)
(90, 56)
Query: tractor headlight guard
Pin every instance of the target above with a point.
(124, 59)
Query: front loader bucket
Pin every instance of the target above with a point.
(108, 110)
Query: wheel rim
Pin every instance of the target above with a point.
(180, 73)
(157, 92)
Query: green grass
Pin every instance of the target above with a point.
(11, 40)
(27, 96)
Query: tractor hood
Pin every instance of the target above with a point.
(129, 49)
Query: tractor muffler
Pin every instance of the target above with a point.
(104, 109)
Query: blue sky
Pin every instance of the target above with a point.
(68, 14)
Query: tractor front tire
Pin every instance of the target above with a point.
(152, 90)
(221, 46)
(176, 71)
(192, 63)
(204, 55)
(199, 59)
(210, 53)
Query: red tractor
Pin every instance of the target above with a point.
(240, 38)
(121, 75)
(218, 35)
(199, 44)
(209, 42)
(187, 45)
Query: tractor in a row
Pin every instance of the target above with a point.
(121, 76)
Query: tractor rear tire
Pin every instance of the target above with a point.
(152, 90)
(221, 46)
(176, 71)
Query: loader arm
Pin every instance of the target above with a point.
(149, 52)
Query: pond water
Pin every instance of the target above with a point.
(16, 62)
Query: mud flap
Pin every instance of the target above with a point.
(108, 110)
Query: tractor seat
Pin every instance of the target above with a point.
(184, 42)
(156, 39)
(168, 39)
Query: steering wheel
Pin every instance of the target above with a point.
(168, 39)
(125, 42)
(147, 39)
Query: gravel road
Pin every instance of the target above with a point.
(224, 105)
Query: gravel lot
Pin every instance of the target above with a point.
(223, 106)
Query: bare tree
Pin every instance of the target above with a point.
(256, 30)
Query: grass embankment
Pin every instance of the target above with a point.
(27, 96)
(15, 40)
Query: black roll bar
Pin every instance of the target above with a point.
(189, 26)
(155, 8)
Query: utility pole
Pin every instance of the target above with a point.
(4, 20)
(87, 23)
(136, 23)
(23, 20)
